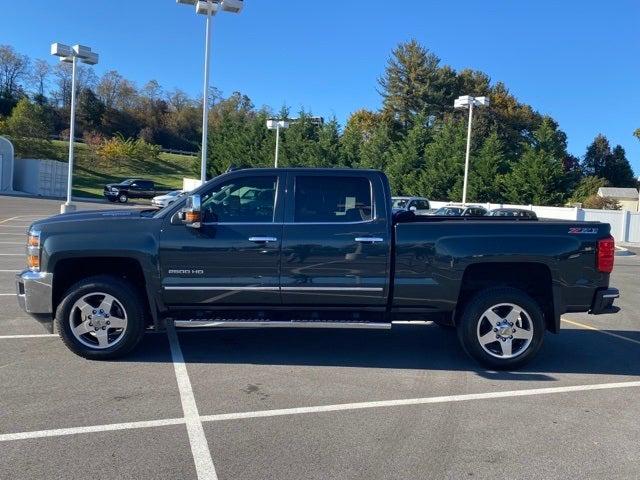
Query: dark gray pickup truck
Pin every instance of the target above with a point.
(311, 248)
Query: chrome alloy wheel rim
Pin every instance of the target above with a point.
(98, 320)
(505, 330)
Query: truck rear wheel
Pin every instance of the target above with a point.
(101, 317)
(502, 328)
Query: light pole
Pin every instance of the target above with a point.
(276, 125)
(209, 8)
(71, 55)
(467, 101)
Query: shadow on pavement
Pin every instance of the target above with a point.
(403, 347)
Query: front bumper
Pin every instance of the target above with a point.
(35, 292)
(603, 301)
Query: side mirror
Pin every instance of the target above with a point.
(413, 209)
(191, 214)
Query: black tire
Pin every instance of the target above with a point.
(523, 350)
(126, 299)
(123, 198)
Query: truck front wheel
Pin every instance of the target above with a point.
(502, 328)
(101, 317)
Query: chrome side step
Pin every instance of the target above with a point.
(224, 323)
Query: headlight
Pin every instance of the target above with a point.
(33, 250)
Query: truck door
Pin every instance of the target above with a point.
(233, 259)
(336, 242)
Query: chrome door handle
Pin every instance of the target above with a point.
(369, 239)
(263, 239)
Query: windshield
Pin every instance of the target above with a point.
(175, 193)
(399, 203)
(449, 211)
(129, 181)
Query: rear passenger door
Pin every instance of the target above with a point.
(336, 240)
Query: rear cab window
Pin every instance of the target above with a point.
(332, 199)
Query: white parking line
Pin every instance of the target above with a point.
(10, 271)
(12, 243)
(205, 469)
(58, 432)
(417, 401)
(31, 335)
(8, 220)
(12, 254)
(302, 410)
(6, 294)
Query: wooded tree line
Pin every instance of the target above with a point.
(416, 137)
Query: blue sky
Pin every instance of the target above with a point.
(578, 61)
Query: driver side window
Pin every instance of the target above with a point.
(242, 200)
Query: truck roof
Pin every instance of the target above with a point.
(309, 169)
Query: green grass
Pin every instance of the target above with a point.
(91, 172)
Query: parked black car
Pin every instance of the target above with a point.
(311, 248)
(130, 188)
(513, 212)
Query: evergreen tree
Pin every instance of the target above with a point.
(90, 111)
(359, 130)
(601, 161)
(618, 171)
(597, 156)
(539, 175)
(488, 167)
(442, 174)
(410, 84)
(375, 152)
(407, 158)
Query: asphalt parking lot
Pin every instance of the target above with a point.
(292, 404)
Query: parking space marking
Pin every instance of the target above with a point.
(10, 271)
(11, 254)
(6, 294)
(59, 432)
(8, 219)
(12, 243)
(296, 411)
(417, 401)
(205, 469)
(30, 335)
(605, 332)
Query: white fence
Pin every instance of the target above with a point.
(625, 225)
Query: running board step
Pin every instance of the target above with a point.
(256, 323)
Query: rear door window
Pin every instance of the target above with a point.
(329, 199)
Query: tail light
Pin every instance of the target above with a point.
(606, 254)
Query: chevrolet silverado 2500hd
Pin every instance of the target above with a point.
(311, 248)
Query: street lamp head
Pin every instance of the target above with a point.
(90, 59)
(273, 124)
(207, 8)
(465, 100)
(61, 50)
(233, 6)
(211, 7)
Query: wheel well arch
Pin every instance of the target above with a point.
(69, 271)
(533, 278)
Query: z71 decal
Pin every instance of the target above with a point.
(580, 230)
